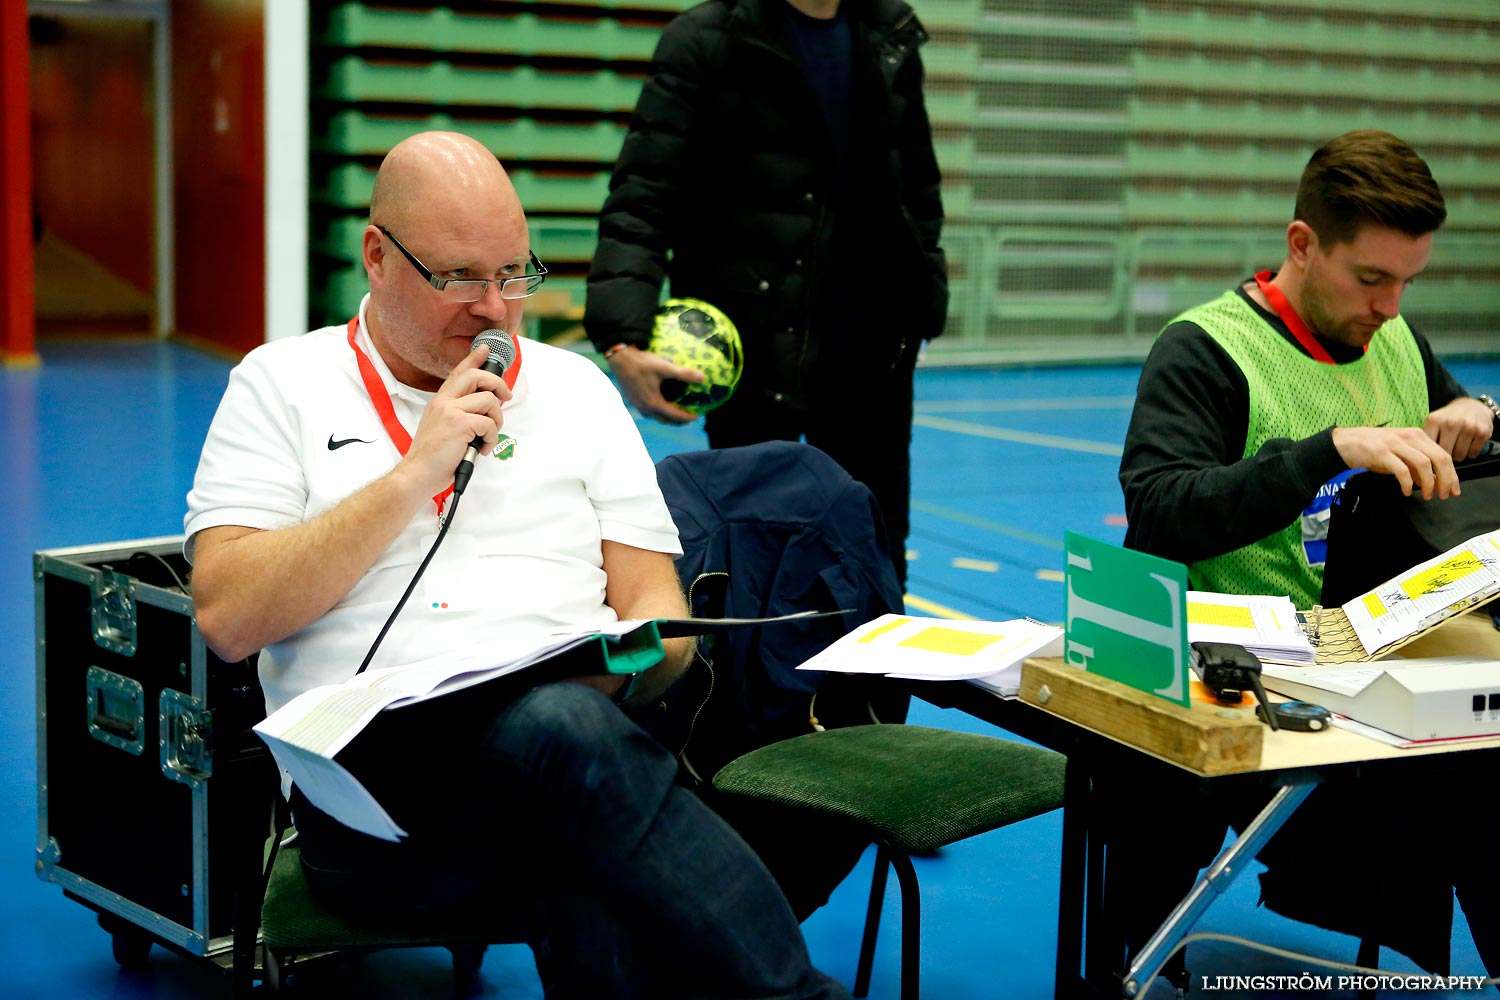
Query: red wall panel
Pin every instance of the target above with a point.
(218, 119)
(17, 314)
(91, 107)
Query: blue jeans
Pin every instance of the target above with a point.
(556, 804)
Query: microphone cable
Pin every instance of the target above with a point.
(416, 578)
(502, 349)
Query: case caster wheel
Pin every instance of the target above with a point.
(131, 945)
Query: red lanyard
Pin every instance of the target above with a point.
(1293, 321)
(381, 399)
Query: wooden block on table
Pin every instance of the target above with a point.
(1202, 737)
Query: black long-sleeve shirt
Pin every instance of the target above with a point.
(1189, 492)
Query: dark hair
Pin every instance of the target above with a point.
(1368, 176)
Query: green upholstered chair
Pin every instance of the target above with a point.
(295, 927)
(913, 789)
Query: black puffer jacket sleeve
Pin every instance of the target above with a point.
(635, 225)
(921, 192)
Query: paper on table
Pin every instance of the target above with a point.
(1426, 594)
(1401, 742)
(914, 648)
(1352, 679)
(1339, 680)
(1266, 626)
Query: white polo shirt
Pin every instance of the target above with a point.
(296, 434)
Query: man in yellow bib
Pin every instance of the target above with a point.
(1250, 404)
(1251, 411)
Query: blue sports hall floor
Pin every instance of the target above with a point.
(100, 442)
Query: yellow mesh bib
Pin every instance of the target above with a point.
(1293, 396)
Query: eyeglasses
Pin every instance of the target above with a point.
(474, 289)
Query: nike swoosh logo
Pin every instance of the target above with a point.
(336, 445)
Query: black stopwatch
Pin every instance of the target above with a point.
(1299, 716)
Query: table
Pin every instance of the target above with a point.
(1292, 764)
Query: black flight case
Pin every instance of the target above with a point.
(153, 795)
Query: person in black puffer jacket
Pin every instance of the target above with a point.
(780, 166)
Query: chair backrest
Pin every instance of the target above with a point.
(772, 529)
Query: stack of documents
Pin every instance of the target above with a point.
(1266, 626)
(911, 648)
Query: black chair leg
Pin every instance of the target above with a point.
(467, 958)
(872, 921)
(1368, 957)
(911, 926)
(274, 970)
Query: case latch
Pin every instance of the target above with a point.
(113, 612)
(117, 710)
(185, 729)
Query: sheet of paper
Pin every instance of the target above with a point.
(914, 648)
(1340, 680)
(337, 792)
(1351, 679)
(1391, 739)
(1426, 594)
(1266, 626)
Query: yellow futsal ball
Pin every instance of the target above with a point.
(694, 334)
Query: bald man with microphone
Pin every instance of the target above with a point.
(328, 472)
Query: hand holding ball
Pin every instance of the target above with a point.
(694, 334)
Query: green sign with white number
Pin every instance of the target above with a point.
(1127, 616)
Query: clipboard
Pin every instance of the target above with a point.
(1336, 640)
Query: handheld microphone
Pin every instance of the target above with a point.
(502, 355)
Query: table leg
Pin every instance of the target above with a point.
(1213, 883)
(1071, 889)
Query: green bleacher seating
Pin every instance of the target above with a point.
(559, 240)
(1369, 38)
(955, 153)
(668, 6)
(1255, 76)
(554, 239)
(354, 78)
(951, 108)
(348, 186)
(1457, 10)
(939, 14)
(948, 58)
(356, 133)
(439, 29)
(1170, 134)
(1311, 122)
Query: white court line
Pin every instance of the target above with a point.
(983, 565)
(1024, 405)
(934, 608)
(1019, 437)
(979, 522)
